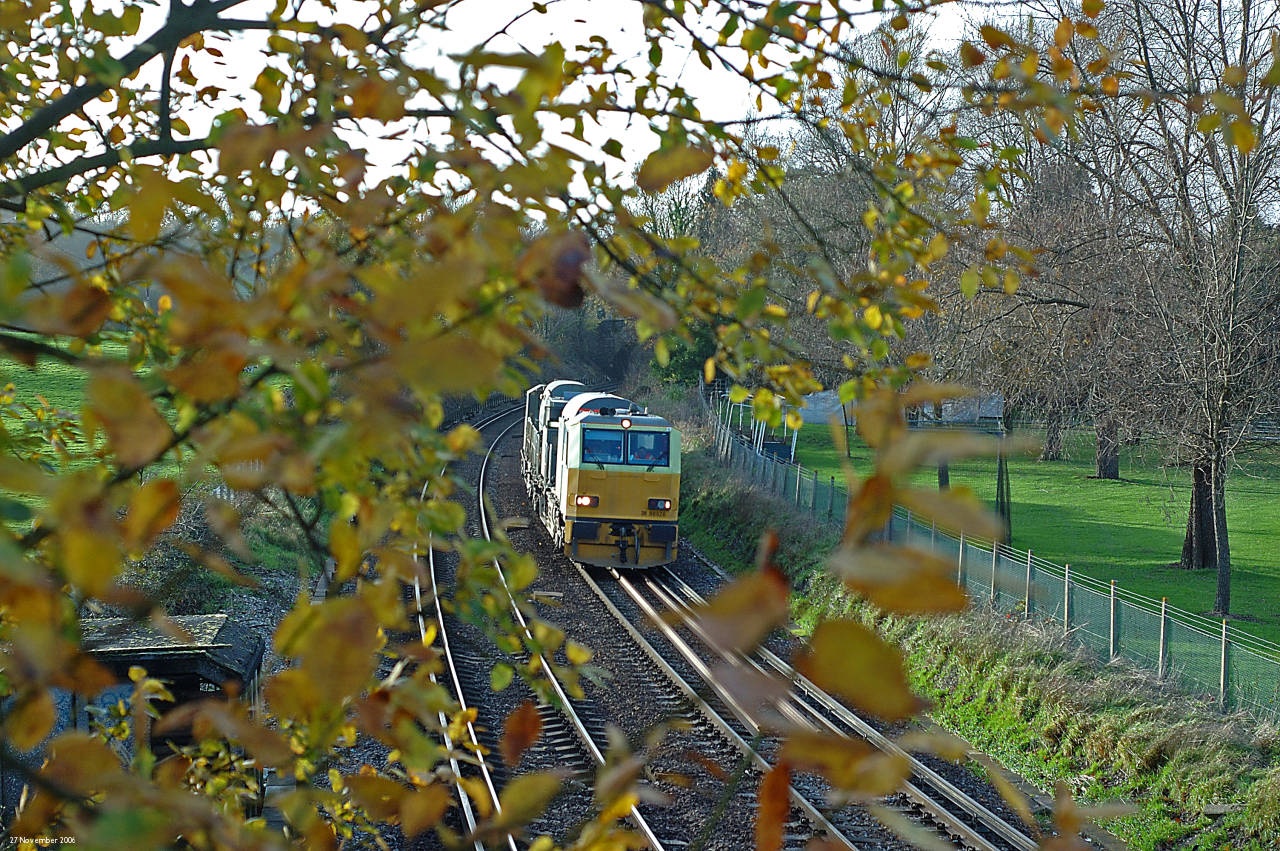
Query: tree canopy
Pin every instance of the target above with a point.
(276, 239)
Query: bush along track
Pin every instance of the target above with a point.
(1194, 777)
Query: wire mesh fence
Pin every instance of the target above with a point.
(1205, 657)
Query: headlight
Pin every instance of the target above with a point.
(584, 501)
(659, 505)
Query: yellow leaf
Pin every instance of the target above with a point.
(665, 166)
(1063, 32)
(30, 719)
(153, 192)
(1110, 85)
(341, 654)
(995, 37)
(478, 793)
(869, 509)
(1092, 8)
(927, 392)
(524, 798)
(520, 730)
(90, 559)
(774, 807)
(152, 509)
(554, 264)
(850, 661)
(1243, 135)
(344, 546)
(80, 763)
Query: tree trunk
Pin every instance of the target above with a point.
(1004, 499)
(1107, 456)
(1195, 550)
(1206, 545)
(1053, 438)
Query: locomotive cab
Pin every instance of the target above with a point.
(618, 487)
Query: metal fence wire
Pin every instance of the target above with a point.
(1205, 657)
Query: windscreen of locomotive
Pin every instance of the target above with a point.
(601, 446)
(648, 448)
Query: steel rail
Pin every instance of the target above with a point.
(954, 795)
(464, 798)
(815, 815)
(566, 706)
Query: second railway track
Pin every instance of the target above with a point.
(702, 771)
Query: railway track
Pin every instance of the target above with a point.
(670, 680)
(663, 596)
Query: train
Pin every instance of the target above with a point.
(603, 475)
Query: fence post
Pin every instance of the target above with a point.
(1225, 671)
(799, 476)
(1113, 641)
(995, 560)
(1026, 601)
(933, 534)
(960, 563)
(1164, 638)
(1066, 598)
(813, 495)
(831, 499)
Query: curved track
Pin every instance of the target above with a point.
(681, 677)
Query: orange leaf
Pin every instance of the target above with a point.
(850, 661)
(80, 763)
(380, 797)
(834, 757)
(423, 809)
(521, 729)
(774, 807)
(78, 311)
(135, 430)
(957, 509)
(970, 55)
(209, 376)
(870, 508)
(340, 654)
(152, 509)
(664, 167)
(553, 263)
(900, 579)
(745, 610)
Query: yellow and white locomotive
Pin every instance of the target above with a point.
(603, 475)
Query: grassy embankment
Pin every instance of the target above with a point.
(183, 586)
(1129, 530)
(1042, 708)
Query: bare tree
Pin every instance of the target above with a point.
(1194, 191)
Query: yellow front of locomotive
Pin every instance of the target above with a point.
(621, 489)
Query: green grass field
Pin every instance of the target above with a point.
(1129, 530)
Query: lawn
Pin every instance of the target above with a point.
(1129, 530)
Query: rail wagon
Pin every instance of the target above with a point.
(603, 475)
